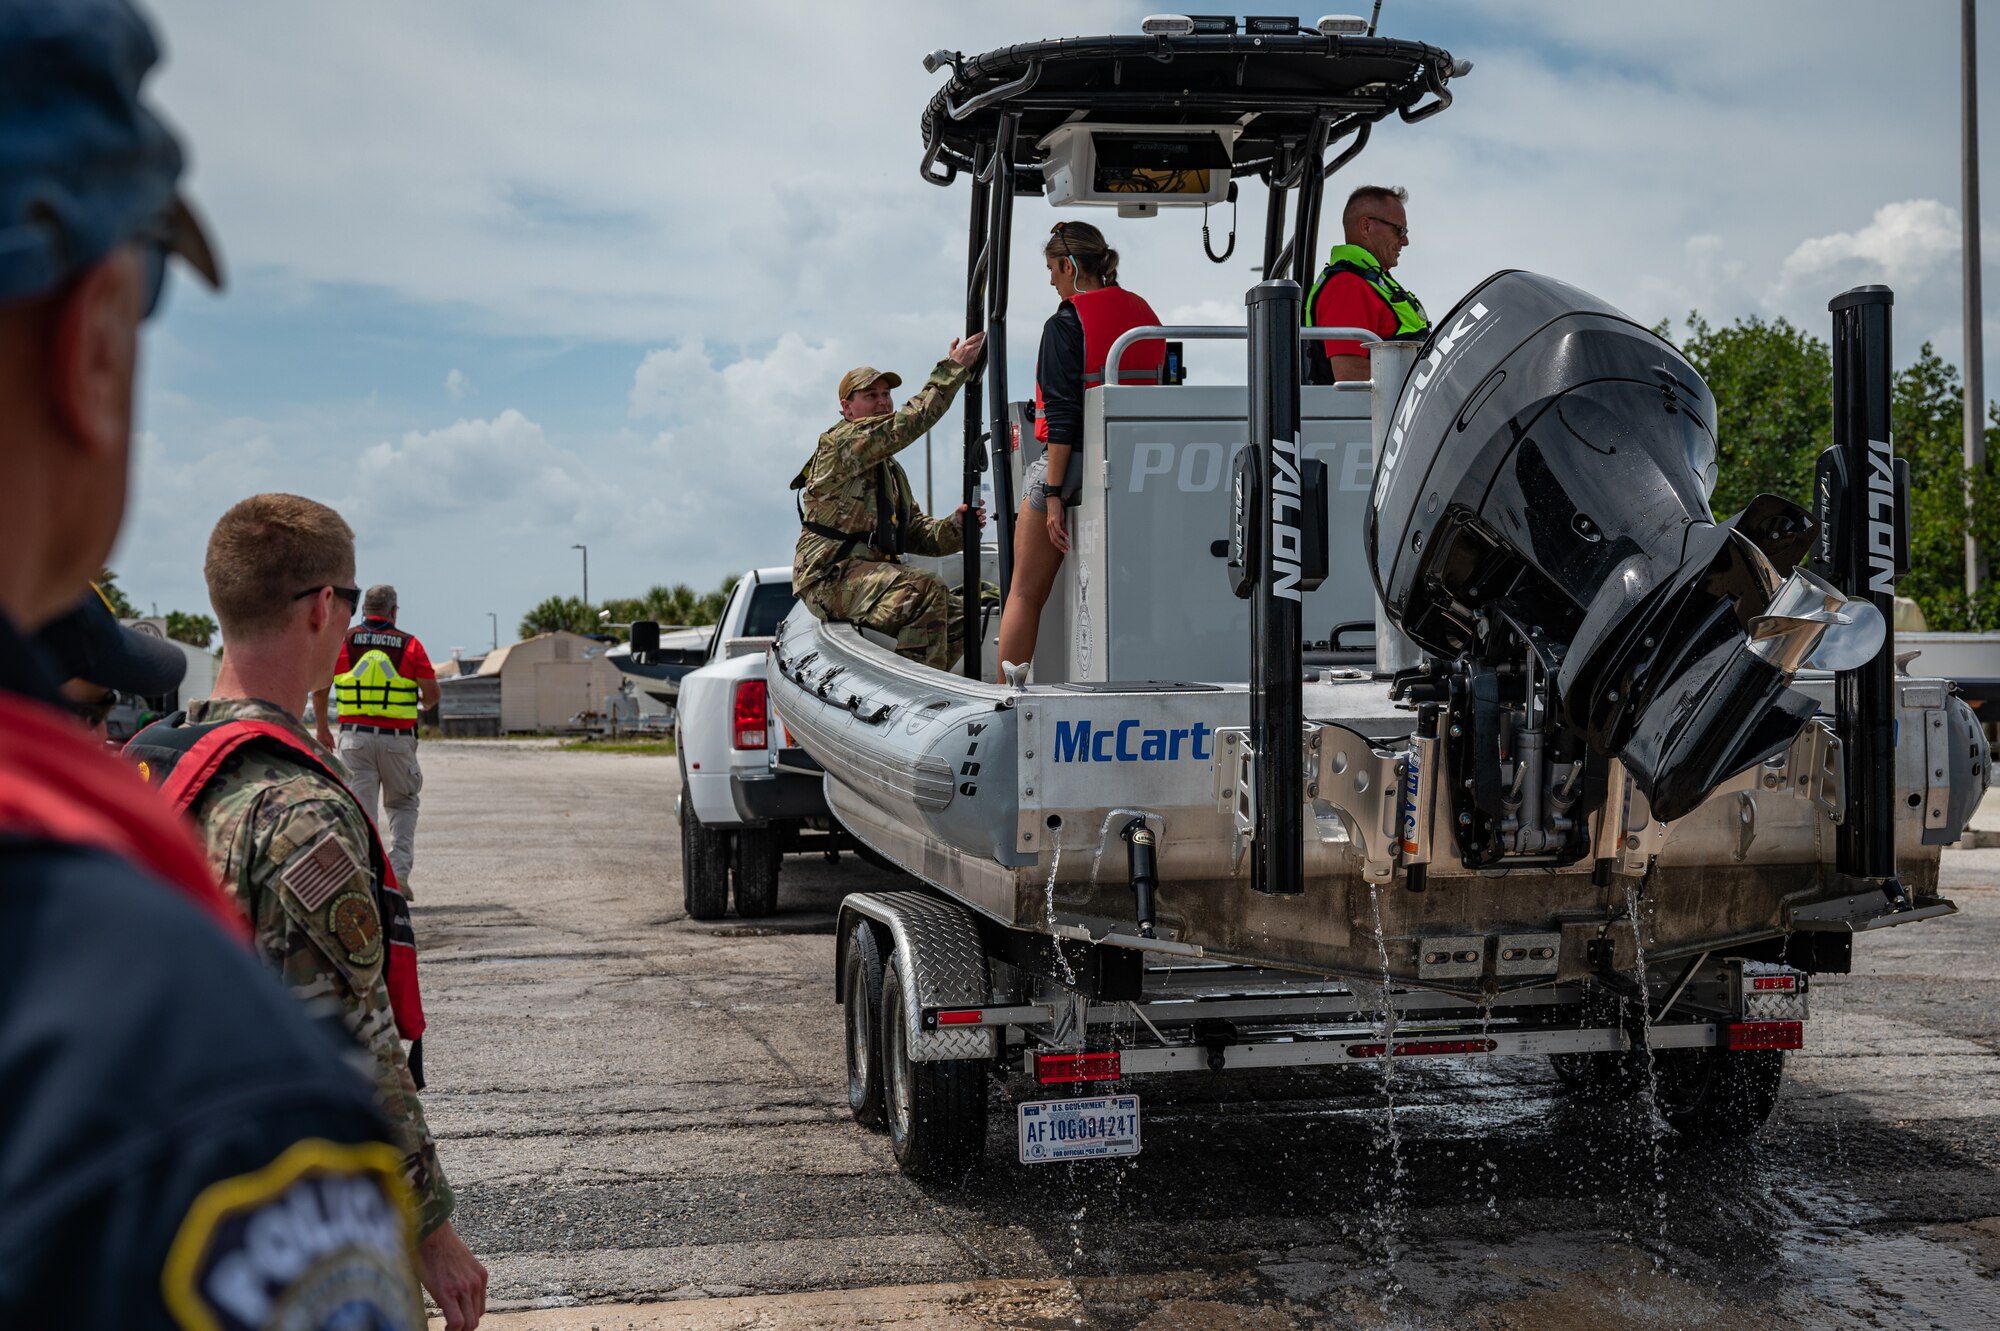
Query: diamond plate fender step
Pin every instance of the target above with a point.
(936, 950)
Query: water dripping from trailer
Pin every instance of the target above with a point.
(1386, 1217)
(1650, 1111)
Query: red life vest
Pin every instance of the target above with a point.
(57, 786)
(1108, 313)
(182, 759)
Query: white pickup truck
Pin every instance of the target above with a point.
(745, 801)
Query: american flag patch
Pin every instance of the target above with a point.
(315, 875)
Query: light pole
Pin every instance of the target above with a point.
(1975, 351)
(586, 571)
(496, 628)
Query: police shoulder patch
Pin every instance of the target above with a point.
(355, 921)
(319, 1239)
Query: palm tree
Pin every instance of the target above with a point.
(559, 612)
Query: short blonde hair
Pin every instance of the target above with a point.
(264, 552)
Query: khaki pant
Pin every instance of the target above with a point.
(386, 765)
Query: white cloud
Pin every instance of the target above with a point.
(468, 464)
(1906, 241)
(456, 385)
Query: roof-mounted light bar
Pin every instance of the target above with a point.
(1166, 25)
(1342, 25)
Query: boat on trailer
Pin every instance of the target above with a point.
(1577, 768)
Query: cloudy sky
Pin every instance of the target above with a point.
(510, 277)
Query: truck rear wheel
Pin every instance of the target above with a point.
(704, 867)
(861, 984)
(1718, 1094)
(754, 865)
(1601, 1078)
(936, 1111)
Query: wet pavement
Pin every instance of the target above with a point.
(636, 1107)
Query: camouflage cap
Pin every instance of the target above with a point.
(862, 376)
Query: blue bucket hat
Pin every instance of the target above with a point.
(85, 166)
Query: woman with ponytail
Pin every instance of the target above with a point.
(1094, 312)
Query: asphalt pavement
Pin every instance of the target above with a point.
(636, 1108)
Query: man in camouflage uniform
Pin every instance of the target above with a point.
(293, 846)
(859, 515)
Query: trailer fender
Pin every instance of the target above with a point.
(940, 960)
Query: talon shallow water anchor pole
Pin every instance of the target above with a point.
(977, 262)
(1000, 437)
(1277, 652)
(1860, 500)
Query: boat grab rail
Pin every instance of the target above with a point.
(1114, 363)
(980, 101)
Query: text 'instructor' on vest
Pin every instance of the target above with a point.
(383, 680)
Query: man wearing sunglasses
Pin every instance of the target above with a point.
(288, 839)
(1355, 290)
(164, 1098)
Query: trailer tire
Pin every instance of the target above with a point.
(936, 1111)
(1718, 1094)
(861, 986)
(1601, 1078)
(754, 865)
(704, 867)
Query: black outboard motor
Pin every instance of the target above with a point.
(1540, 526)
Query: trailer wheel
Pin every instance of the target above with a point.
(936, 1111)
(861, 983)
(1602, 1078)
(754, 865)
(704, 867)
(1718, 1094)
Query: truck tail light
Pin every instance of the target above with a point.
(1053, 1068)
(752, 724)
(1764, 1035)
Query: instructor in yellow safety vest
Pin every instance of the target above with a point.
(384, 678)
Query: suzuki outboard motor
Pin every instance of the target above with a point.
(1540, 526)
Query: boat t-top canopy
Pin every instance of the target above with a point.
(1281, 88)
(1172, 116)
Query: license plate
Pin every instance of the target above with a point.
(1092, 1129)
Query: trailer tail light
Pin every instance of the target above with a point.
(1424, 1048)
(1053, 1068)
(1739, 1035)
(752, 714)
